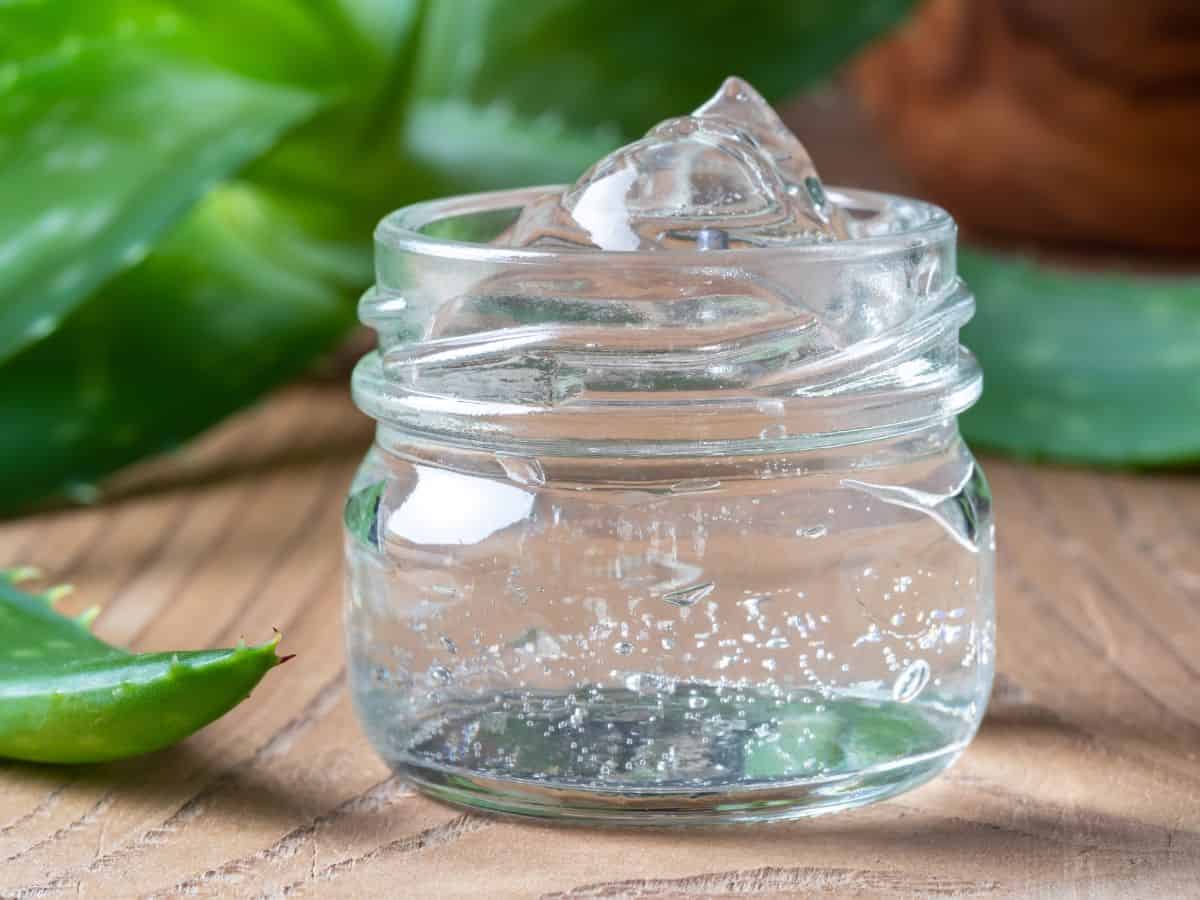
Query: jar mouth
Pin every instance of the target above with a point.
(407, 230)
(666, 352)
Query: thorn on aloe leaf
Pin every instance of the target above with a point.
(59, 591)
(19, 574)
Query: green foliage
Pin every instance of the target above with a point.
(564, 81)
(68, 697)
(189, 189)
(241, 296)
(105, 153)
(1085, 367)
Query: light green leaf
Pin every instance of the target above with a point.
(241, 297)
(100, 153)
(1100, 368)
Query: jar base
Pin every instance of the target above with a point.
(779, 802)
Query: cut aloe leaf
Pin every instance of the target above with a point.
(68, 697)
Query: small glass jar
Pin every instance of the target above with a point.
(668, 536)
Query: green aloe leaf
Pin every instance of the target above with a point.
(241, 297)
(119, 148)
(564, 81)
(1097, 368)
(68, 697)
(475, 148)
(305, 35)
(623, 61)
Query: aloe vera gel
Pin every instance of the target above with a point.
(668, 518)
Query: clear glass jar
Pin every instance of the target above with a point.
(668, 537)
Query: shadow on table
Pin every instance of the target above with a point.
(180, 784)
(163, 478)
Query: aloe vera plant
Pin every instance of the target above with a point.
(68, 697)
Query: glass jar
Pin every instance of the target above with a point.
(668, 537)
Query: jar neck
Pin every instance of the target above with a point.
(926, 445)
(908, 396)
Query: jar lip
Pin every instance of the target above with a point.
(401, 231)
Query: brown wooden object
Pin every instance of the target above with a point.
(1063, 121)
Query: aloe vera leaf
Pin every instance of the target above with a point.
(625, 61)
(1096, 368)
(30, 624)
(230, 36)
(240, 298)
(68, 697)
(165, 101)
(488, 147)
(543, 94)
(101, 153)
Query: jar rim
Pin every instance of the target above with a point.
(401, 231)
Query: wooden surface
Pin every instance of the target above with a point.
(1084, 781)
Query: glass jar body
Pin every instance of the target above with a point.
(685, 639)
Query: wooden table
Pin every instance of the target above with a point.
(1085, 780)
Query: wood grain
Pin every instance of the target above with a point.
(1085, 780)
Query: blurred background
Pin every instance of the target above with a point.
(189, 189)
